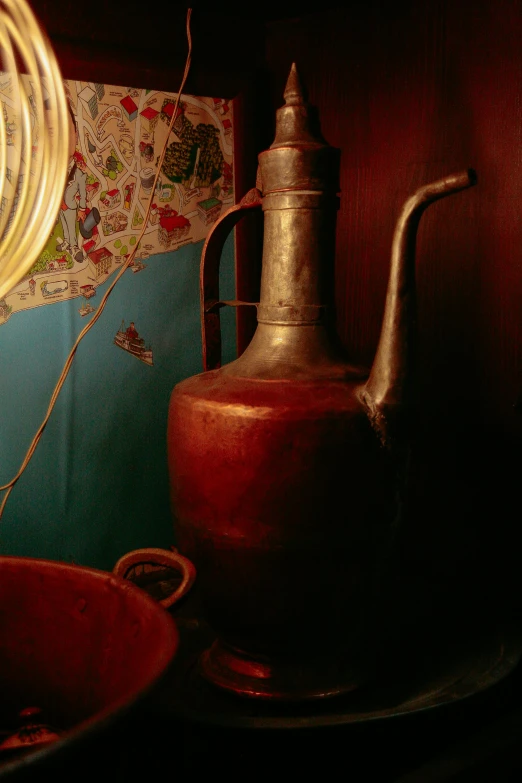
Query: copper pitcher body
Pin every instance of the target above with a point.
(282, 463)
(284, 523)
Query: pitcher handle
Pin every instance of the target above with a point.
(162, 557)
(209, 278)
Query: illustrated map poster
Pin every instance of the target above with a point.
(97, 485)
(120, 132)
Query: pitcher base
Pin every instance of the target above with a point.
(240, 673)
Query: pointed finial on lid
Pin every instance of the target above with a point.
(296, 120)
(295, 92)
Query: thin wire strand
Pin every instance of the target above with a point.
(65, 371)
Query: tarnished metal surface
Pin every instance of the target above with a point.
(283, 495)
(389, 388)
(422, 672)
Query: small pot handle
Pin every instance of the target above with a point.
(164, 557)
(209, 278)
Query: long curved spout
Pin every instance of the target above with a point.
(388, 389)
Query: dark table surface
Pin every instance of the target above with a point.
(447, 706)
(471, 729)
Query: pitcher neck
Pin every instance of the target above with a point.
(297, 279)
(299, 179)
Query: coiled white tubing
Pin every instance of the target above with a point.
(34, 167)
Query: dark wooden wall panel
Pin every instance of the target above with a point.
(412, 91)
(134, 44)
(252, 128)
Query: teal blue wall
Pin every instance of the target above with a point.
(97, 486)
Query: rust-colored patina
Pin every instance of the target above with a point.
(283, 463)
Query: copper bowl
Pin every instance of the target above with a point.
(85, 646)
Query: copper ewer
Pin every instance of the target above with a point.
(282, 463)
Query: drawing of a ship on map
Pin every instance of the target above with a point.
(137, 266)
(86, 309)
(130, 341)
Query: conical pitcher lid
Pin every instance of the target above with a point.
(299, 158)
